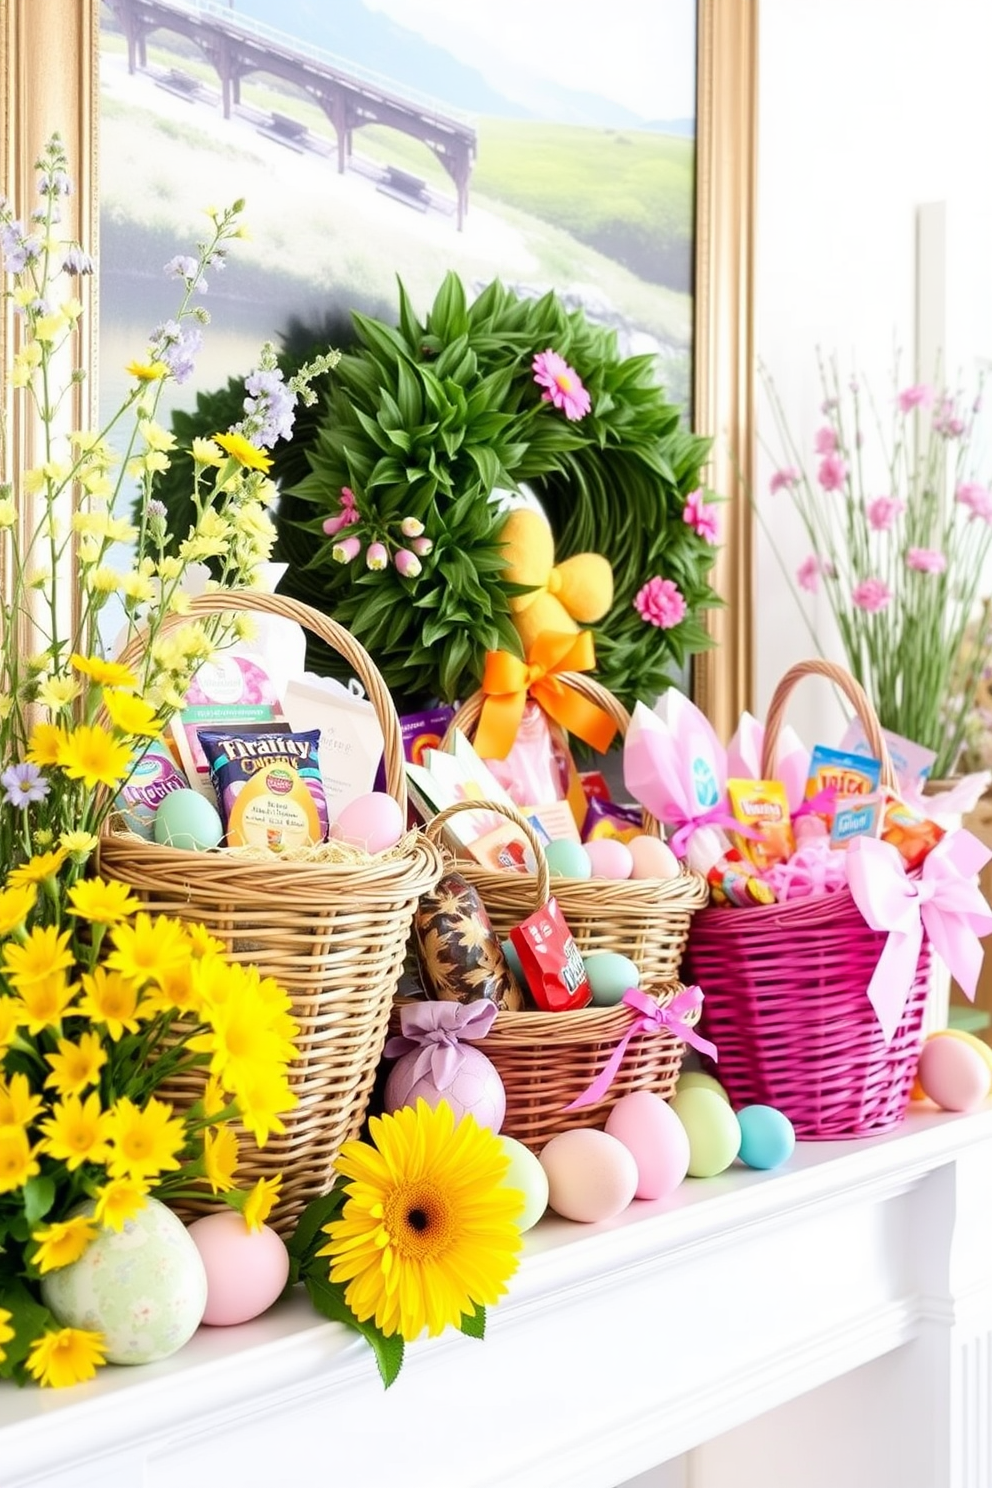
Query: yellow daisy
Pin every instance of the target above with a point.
(148, 948)
(15, 906)
(118, 1201)
(37, 869)
(111, 999)
(76, 1065)
(259, 1203)
(106, 673)
(263, 1096)
(144, 1142)
(105, 902)
(45, 744)
(6, 1332)
(79, 845)
(131, 714)
(427, 1232)
(66, 1357)
(62, 1243)
(43, 953)
(220, 1158)
(19, 1105)
(17, 1160)
(44, 1000)
(202, 943)
(147, 371)
(76, 1131)
(94, 756)
(246, 454)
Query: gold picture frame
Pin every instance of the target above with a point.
(49, 56)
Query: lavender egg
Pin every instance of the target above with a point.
(476, 1090)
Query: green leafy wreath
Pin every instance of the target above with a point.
(422, 422)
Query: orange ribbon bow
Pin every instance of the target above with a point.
(508, 682)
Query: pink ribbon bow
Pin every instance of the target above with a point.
(436, 1028)
(944, 902)
(653, 1019)
(685, 825)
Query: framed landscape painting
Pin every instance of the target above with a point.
(376, 139)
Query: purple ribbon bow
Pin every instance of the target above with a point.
(653, 1019)
(436, 1029)
(944, 901)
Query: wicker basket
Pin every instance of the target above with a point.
(646, 919)
(546, 1060)
(785, 988)
(333, 934)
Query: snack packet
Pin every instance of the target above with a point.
(154, 775)
(761, 805)
(835, 774)
(269, 788)
(556, 976)
(910, 830)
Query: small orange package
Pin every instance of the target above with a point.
(908, 829)
(762, 806)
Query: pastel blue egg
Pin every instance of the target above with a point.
(567, 859)
(610, 974)
(767, 1137)
(187, 820)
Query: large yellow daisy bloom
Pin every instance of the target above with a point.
(428, 1230)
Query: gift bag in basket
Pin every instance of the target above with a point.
(813, 1009)
(333, 934)
(646, 919)
(589, 1056)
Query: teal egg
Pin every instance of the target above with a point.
(527, 1175)
(712, 1128)
(186, 819)
(610, 974)
(767, 1136)
(567, 859)
(513, 961)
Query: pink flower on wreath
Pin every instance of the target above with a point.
(920, 395)
(926, 560)
(785, 479)
(832, 472)
(883, 511)
(700, 516)
(562, 384)
(977, 499)
(660, 603)
(871, 595)
(825, 441)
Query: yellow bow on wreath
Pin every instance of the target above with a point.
(508, 682)
(562, 595)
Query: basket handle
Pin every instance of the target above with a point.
(221, 601)
(469, 712)
(543, 878)
(855, 695)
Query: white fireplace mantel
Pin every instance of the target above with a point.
(827, 1324)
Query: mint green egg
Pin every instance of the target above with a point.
(567, 859)
(700, 1080)
(527, 1176)
(610, 974)
(712, 1128)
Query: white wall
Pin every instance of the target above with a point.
(867, 109)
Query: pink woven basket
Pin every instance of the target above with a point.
(785, 989)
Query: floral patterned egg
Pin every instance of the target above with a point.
(143, 1287)
(458, 953)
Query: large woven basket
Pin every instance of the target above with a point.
(646, 919)
(333, 934)
(785, 988)
(546, 1060)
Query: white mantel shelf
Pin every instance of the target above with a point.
(828, 1325)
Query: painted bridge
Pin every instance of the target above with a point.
(237, 47)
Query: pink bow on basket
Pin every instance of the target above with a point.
(653, 1019)
(944, 901)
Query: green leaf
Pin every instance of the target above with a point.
(473, 1324)
(29, 1320)
(328, 1298)
(310, 1225)
(39, 1196)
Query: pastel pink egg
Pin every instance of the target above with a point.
(954, 1076)
(373, 821)
(653, 858)
(610, 858)
(656, 1139)
(246, 1269)
(591, 1175)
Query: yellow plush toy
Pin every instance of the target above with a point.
(566, 595)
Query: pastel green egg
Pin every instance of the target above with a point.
(567, 859)
(527, 1176)
(712, 1128)
(610, 974)
(702, 1081)
(187, 820)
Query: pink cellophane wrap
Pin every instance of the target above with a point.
(791, 758)
(675, 767)
(943, 901)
